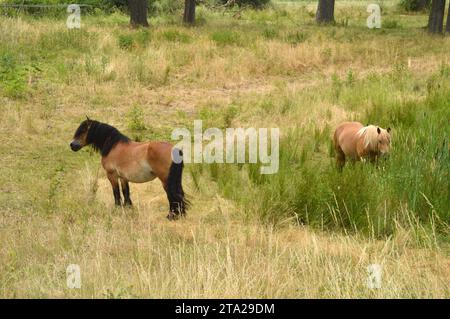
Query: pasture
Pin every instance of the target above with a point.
(307, 231)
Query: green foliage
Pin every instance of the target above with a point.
(226, 37)
(270, 33)
(165, 6)
(139, 38)
(136, 120)
(66, 40)
(251, 3)
(125, 41)
(155, 7)
(413, 5)
(176, 36)
(296, 37)
(12, 76)
(411, 187)
(229, 114)
(391, 24)
(55, 182)
(409, 190)
(94, 6)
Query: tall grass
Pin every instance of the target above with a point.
(263, 68)
(411, 188)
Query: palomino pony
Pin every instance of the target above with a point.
(128, 161)
(357, 142)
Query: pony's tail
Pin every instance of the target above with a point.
(177, 201)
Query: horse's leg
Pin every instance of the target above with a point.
(340, 158)
(172, 202)
(175, 199)
(126, 192)
(114, 180)
(169, 173)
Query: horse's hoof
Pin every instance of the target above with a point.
(172, 216)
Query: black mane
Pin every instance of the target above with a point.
(103, 137)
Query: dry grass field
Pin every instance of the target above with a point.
(292, 235)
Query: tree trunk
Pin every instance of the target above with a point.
(325, 11)
(189, 12)
(436, 19)
(447, 26)
(138, 12)
(422, 5)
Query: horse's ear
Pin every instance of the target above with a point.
(88, 119)
(388, 130)
(378, 130)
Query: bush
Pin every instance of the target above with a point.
(136, 119)
(414, 5)
(154, 6)
(270, 33)
(176, 36)
(12, 76)
(125, 41)
(296, 37)
(226, 37)
(390, 24)
(251, 3)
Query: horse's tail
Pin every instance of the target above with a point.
(177, 200)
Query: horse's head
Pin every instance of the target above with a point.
(80, 136)
(384, 141)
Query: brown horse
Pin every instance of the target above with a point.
(128, 161)
(357, 142)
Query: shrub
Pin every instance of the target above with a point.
(252, 3)
(390, 24)
(136, 118)
(270, 33)
(125, 41)
(154, 6)
(414, 5)
(226, 37)
(296, 37)
(12, 76)
(176, 36)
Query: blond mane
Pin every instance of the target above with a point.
(370, 135)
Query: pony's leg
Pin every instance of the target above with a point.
(114, 180)
(340, 159)
(173, 205)
(169, 173)
(126, 192)
(173, 196)
(375, 160)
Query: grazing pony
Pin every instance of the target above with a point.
(128, 161)
(356, 142)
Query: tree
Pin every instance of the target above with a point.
(415, 5)
(447, 26)
(325, 11)
(189, 12)
(436, 18)
(138, 12)
(422, 4)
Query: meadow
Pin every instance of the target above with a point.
(306, 232)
